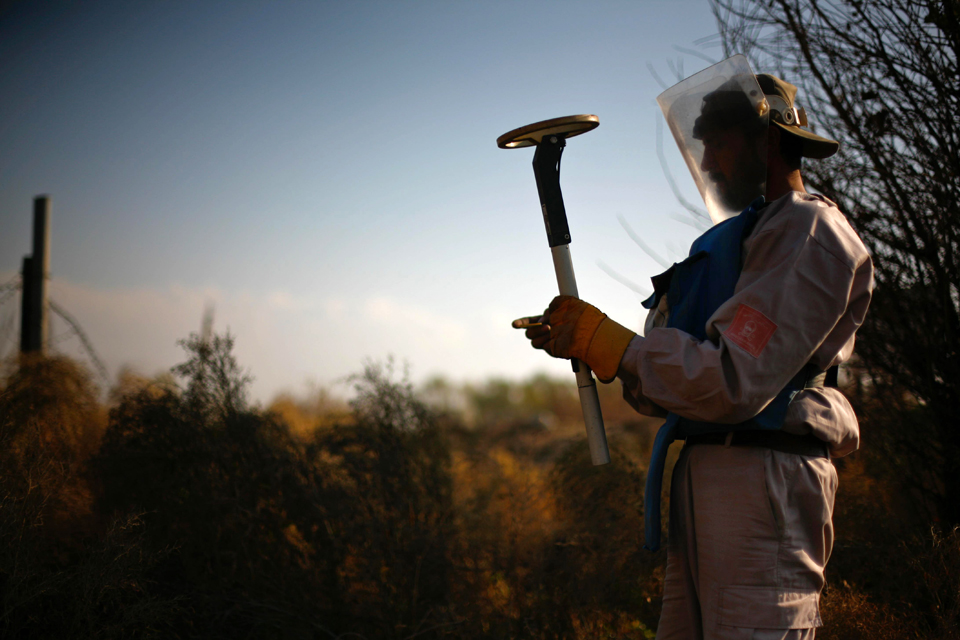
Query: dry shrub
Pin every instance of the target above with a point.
(851, 615)
(111, 592)
(61, 573)
(380, 510)
(936, 561)
(319, 409)
(130, 383)
(552, 548)
(393, 522)
(108, 592)
(886, 579)
(869, 527)
(342, 530)
(218, 484)
(505, 516)
(50, 424)
(594, 625)
(597, 560)
(51, 403)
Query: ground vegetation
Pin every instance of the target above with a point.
(176, 509)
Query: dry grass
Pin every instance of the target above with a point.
(391, 521)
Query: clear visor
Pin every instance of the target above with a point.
(719, 119)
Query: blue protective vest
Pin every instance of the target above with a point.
(695, 289)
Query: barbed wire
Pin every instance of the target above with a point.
(5, 332)
(9, 289)
(15, 284)
(63, 336)
(84, 340)
(12, 283)
(8, 328)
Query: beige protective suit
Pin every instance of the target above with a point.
(750, 528)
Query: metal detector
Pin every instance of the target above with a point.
(550, 137)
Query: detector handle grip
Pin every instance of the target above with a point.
(546, 168)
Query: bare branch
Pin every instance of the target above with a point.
(696, 54)
(633, 286)
(686, 204)
(656, 76)
(640, 243)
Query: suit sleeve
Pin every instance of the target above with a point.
(792, 292)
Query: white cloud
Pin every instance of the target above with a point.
(335, 308)
(422, 323)
(289, 302)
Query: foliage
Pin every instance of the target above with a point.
(319, 409)
(60, 576)
(221, 485)
(58, 394)
(215, 382)
(50, 423)
(341, 530)
(195, 515)
(597, 555)
(380, 506)
(935, 560)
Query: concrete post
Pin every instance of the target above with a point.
(34, 321)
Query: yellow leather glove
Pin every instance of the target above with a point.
(573, 328)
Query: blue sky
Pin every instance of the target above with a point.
(326, 174)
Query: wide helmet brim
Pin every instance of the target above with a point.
(812, 145)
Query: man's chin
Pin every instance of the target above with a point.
(739, 199)
(731, 203)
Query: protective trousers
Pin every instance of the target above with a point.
(750, 535)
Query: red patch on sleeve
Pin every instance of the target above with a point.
(750, 330)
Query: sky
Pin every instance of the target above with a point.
(325, 175)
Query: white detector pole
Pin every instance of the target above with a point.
(550, 137)
(586, 385)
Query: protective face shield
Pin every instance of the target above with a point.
(719, 120)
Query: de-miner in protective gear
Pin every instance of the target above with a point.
(739, 354)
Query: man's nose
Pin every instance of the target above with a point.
(707, 164)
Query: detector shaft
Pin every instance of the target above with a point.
(586, 384)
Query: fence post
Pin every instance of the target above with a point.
(34, 320)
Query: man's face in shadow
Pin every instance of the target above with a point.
(732, 161)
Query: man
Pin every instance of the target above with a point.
(740, 352)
